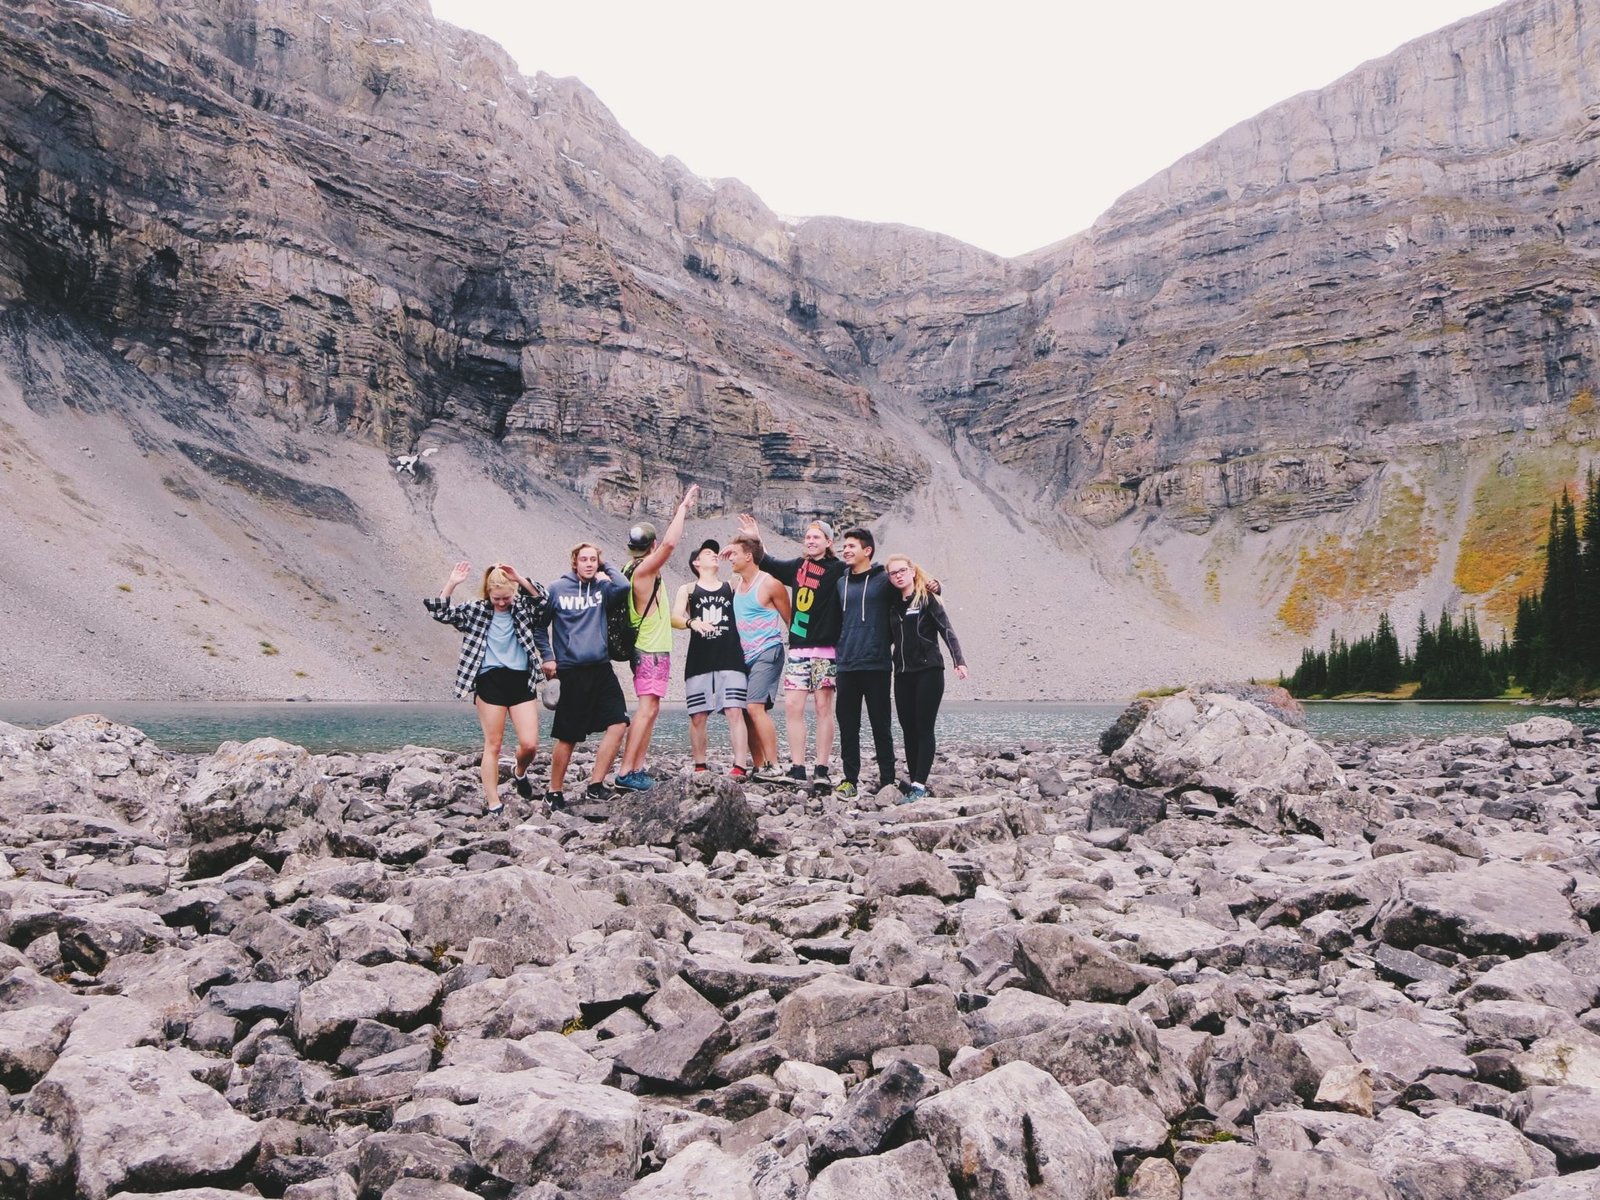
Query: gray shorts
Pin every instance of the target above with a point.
(715, 691)
(766, 673)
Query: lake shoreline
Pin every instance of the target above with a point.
(325, 727)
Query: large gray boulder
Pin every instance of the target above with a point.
(703, 816)
(1235, 1172)
(138, 1119)
(394, 993)
(873, 1108)
(1584, 1185)
(90, 768)
(1068, 966)
(1223, 745)
(1542, 731)
(1537, 979)
(1501, 907)
(1404, 1051)
(1566, 1121)
(532, 912)
(701, 1171)
(1109, 1042)
(835, 1019)
(913, 1170)
(678, 1056)
(1457, 1154)
(30, 1040)
(1015, 1134)
(264, 784)
(531, 1126)
(911, 873)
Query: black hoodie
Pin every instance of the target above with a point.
(916, 633)
(814, 621)
(864, 633)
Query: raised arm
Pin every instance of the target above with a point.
(440, 608)
(458, 576)
(644, 575)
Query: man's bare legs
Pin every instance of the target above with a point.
(794, 722)
(794, 715)
(606, 753)
(604, 756)
(699, 737)
(639, 732)
(763, 736)
(826, 724)
(736, 735)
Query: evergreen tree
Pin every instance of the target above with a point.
(1422, 657)
(1527, 639)
(1562, 587)
(1384, 673)
(1588, 603)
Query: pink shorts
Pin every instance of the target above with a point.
(650, 677)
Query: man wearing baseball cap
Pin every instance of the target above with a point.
(651, 615)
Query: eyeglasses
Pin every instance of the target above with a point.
(899, 570)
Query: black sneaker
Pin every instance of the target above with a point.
(555, 801)
(524, 786)
(598, 791)
(797, 774)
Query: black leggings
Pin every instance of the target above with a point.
(916, 700)
(852, 687)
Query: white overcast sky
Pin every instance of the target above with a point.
(1007, 123)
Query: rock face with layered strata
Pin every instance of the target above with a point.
(367, 220)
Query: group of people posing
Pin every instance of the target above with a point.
(832, 632)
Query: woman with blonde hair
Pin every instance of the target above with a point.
(917, 620)
(504, 640)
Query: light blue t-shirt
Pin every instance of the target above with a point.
(503, 649)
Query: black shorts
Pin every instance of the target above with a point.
(591, 702)
(504, 687)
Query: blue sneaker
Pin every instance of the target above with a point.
(636, 781)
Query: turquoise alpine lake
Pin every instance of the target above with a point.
(199, 727)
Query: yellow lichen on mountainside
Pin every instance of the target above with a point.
(1381, 561)
(1502, 548)
(1148, 569)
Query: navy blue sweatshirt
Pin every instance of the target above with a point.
(578, 610)
(865, 601)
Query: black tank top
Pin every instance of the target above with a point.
(718, 650)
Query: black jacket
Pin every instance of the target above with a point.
(816, 616)
(864, 633)
(916, 633)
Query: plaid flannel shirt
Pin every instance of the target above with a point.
(530, 616)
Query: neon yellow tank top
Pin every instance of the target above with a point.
(655, 631)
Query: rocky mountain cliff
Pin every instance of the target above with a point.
(1340, 357)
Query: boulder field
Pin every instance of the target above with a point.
(1218, 959)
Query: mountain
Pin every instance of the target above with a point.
(1337, 359)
